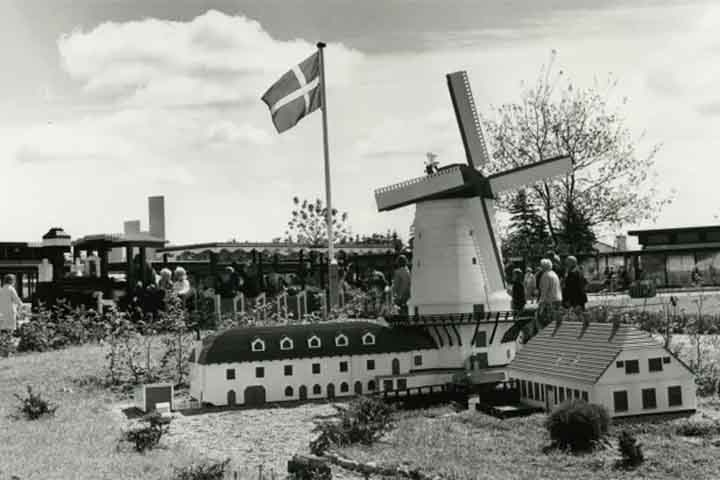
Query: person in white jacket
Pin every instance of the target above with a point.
(9, 304)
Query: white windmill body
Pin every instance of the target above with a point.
(458, 289)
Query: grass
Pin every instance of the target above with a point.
(471, 445)
(80, 441)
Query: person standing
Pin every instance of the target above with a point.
(530, 285)
(574, 292)
(518, 293)
(550, 298)
(401, 284)
(10, 302)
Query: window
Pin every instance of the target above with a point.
(561, 394)
(341, 341)
(230, 374)
(371, 385)
(474, 261)
(317, 389)
(619, 364)
(368, 339)
(674, 396)
(288, 391)
(343, 366)
(481, 339)
(417, 360)
(542, 392)
(344, 387)
(648, 398)
(655, 364)
(585, 396)
(314, 342)
(259, 372)
(577, 393)
(286, 343)
(632, 366)
(530, 390)
(370, 364)
(666, 359)
(537, 391)
(523, 391)
(288, 370)
(316, 368)
(401, 384)
(387, 385)
(620, 401)
(258, 345)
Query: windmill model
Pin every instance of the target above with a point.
(457, 273)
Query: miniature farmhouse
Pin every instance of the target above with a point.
(614, 365)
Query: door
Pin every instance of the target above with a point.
(358, 388)
(481, 360)
(303, 392)
(231, 398)
(331, 391)
(255, 396)
(396, 366)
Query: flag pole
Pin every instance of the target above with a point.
(332, 263)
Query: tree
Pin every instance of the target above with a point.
(610, 183)
(528, 235)
(391, 236)
(308, 223)
(575, 233)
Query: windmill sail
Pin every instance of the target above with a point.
(529, 174)
(468, 119)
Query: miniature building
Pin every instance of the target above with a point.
(154, 396)
(615, 365)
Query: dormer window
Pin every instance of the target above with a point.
(368, 339)
(286, 343)
(341, 340)
(314, 342)
(258, 345)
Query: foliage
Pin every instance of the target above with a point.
(575, 233)
(364, 421)
(577, 425)
(610, 182)
(391, 236)
(630, 450)
(527, 235)
(34, 406)
(7, 345)
(698, 428)
(179, 343)
(308, 223)
(208, 470)
(148, 435)
(60, 326)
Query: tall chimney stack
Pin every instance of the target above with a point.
(156, 208)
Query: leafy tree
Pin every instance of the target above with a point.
(528, 235)
(610, 183)
(576, 235)
(308, 223)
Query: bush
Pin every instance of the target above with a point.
(148, 436)
(698, 428)
(203, 471)
(707, 380)
(363, 421)
(34, 406)
(630, 450)
(577, 425)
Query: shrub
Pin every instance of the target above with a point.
(698, 428)
(363, 421)
(577, 425)
(6, 344)
(203, 471)
(147, 437)
(34, 406)
(630, 450)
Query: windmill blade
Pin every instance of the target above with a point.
(468, 120)
(529, 174)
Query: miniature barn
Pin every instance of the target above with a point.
(614, 365)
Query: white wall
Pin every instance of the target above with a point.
(214, 386)
(459, 356)
(673, 374)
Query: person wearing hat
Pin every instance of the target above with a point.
(401, 284)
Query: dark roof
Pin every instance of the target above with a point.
(700, 228)
(234, 345)
(119, 240)
(55, 232)
(577, 352)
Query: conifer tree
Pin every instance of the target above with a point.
(528, 235)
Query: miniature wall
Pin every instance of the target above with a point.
(457, 356)
(554, 381)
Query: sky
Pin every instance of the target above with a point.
(106, 102)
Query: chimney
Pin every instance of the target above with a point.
(131, 226)
(156, 208)
(621, 243)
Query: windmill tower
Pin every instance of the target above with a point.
(458, 284)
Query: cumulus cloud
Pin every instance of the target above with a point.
(214, 58)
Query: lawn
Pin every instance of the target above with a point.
(471, 445)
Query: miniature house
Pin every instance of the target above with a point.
(614, 365)
(148, 396)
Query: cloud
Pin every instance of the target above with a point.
(214, 58)
(223, 133)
